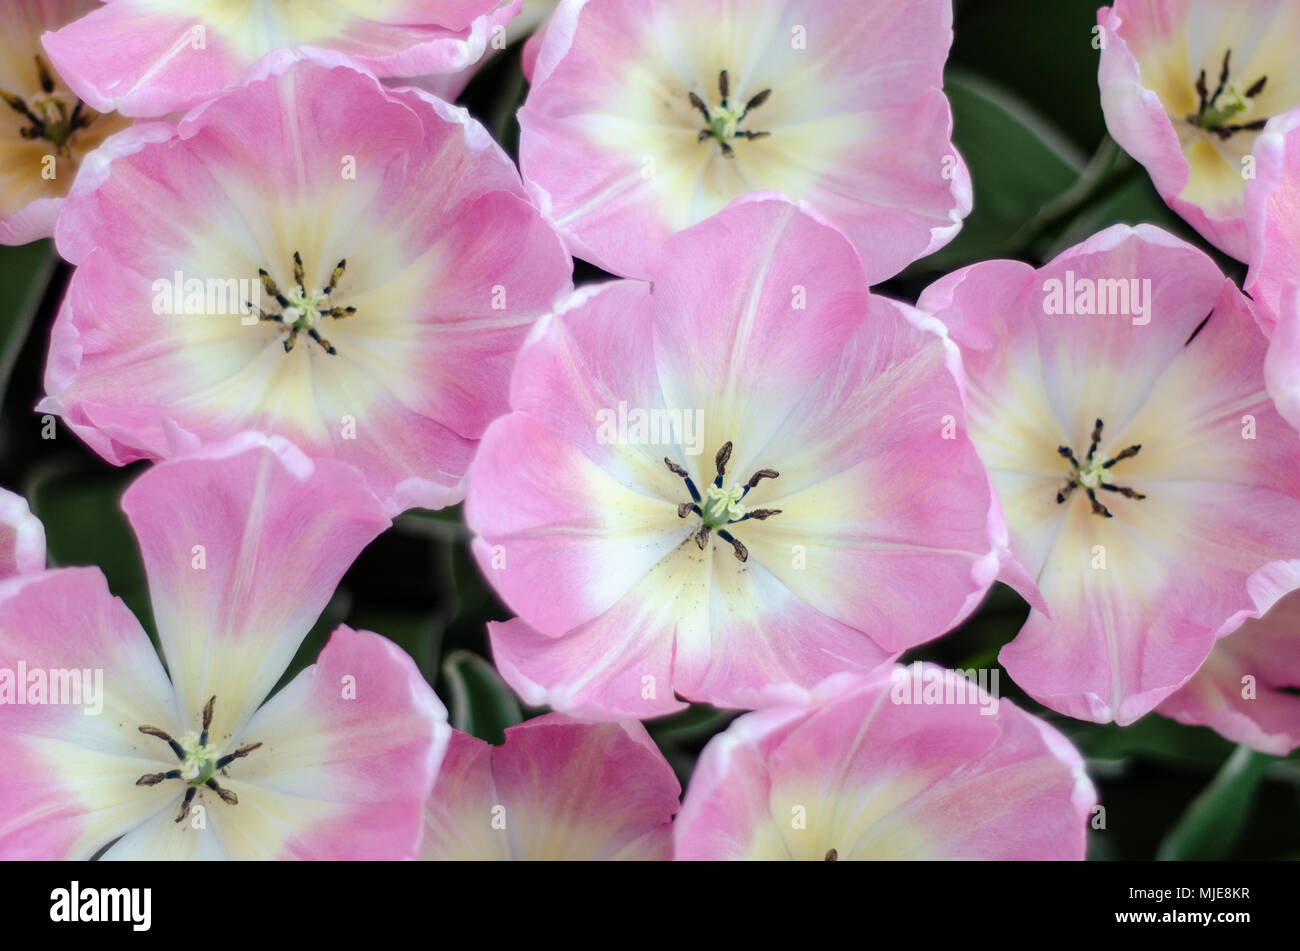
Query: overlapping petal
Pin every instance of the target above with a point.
(560, 788)
(873, 770)
(1131, 602)
(758, 333)
(22, 537)
(843, 101)
(46, 132)
(397, 203)
(148, 58)
(1198, 153)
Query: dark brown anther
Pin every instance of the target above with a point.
(325, 344)
(724, 87)
(335, 276)
(1097, 507)
(1096, 440)
(686, 508)
(1256, 88)
(701, 538)
(753, 135)
(760, 475)
(756, 101)
(291, 339)
(228, 797)
(185, 803)
(298, 272)
(741, 552)
(338, 313)
(675, 469)
(832, 855)
(761, 514)
(151, 779)
(698, 103)
(722, 458)
(1128, 453)
(1124, 491)
(207, 712)
(1064, 493)
(272, 288)
(43, 73)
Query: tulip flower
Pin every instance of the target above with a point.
(730, 484)
(310, 255)
(876, 770)
(243, 545)
(1187, 86)
(1150, 488)
(648, 116)
(45, 130)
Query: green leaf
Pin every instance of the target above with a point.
(481, 703)
(1214, 820)
(1153, 737)
(1019, 164)
(85, 525)
(25, 272)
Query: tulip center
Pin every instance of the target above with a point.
(719, 506)
(1219, 110)
(199, 762)
(1095, 473)
(302, 310)
(47, 116)
(722, 121)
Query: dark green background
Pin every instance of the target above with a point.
(1022, 80)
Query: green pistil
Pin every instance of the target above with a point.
(723, 120)
(1218, 109)
(1094, 473)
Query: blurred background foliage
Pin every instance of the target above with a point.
(1022, 81)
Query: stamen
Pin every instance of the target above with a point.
(1096, 439)
(228, 797)
(238, 754)
(335, 275)
(207, 720)
(702, 537)
(1094, 473)
(742, 553)
(1256, 88)
(686, 508)
(832, 855)
(297, 271)
(754, 102)
(1128, 453)
(1097, 507)
(720, 461)
(760, 475)
(698, 103)
(315, 335)
(185, 803)
(724, 87)
(154, 731)
(43, 73)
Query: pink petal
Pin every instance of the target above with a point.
(874, 770)
(143, 60)
(68, 785)
(22, 537)
(859, 127)
(244, 545)
(558, 789)
(447, 267)
(351, 749)
(1191, 561)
